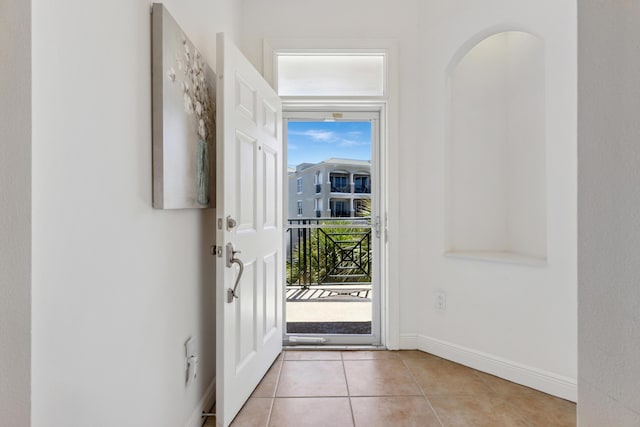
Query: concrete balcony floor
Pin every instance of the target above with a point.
(350, 303)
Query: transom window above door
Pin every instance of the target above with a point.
(345, 74)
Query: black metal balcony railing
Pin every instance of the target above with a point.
(328, 252)
(362, 189)
(318, 188)
(340, 188)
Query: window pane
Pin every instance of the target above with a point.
(330, 75)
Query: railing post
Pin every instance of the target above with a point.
(369, 253)
(304, 252)
(290, 252)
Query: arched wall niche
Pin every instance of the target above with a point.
(497, 198)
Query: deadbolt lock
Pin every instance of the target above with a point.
(231, 223)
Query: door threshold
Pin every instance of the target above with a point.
(334, 347)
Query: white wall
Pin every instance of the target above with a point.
(117, 286)
(609, 226)
(518, 321)
(522, 315)
(15, 219)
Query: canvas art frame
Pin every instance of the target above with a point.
(183, 115)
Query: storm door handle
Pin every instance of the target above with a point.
(232, 259)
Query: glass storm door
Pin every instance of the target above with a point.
(332, 228)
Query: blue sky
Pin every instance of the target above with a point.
(313, 142)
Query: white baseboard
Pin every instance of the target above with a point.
(547, 382)
(204, 405)
(408, 341)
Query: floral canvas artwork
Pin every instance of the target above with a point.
(183, 118)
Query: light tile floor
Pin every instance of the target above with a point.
(392, 389)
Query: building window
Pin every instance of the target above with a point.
(317, 180)
(340, 208)
(339, 183)
(317, 206)
(362, 184)
(299, 207)
(299, 185)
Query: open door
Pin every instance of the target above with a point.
(249, 229)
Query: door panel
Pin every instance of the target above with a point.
(246, 317)
(270, 118)
(245, 98)
(270, 283)
(249, 211)
(270, 179)
(246, 177)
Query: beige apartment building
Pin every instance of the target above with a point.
(332, 188)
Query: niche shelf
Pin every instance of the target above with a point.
(497, 198)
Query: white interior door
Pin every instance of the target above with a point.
(249, 211)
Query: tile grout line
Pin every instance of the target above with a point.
(344, 372)
(501, 398)
(424, 396)
(275, 390)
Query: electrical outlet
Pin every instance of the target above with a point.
(441, 300)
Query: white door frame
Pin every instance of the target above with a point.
(389, 154)
(351, 112)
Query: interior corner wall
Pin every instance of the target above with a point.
(517, 321)
(15, 220)
(512, 315)
(118, 287)
(609, 202)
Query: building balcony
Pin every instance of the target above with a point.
(340, 188)
(362, 184)
(328, 276)
(340, 183)
(362, 189)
